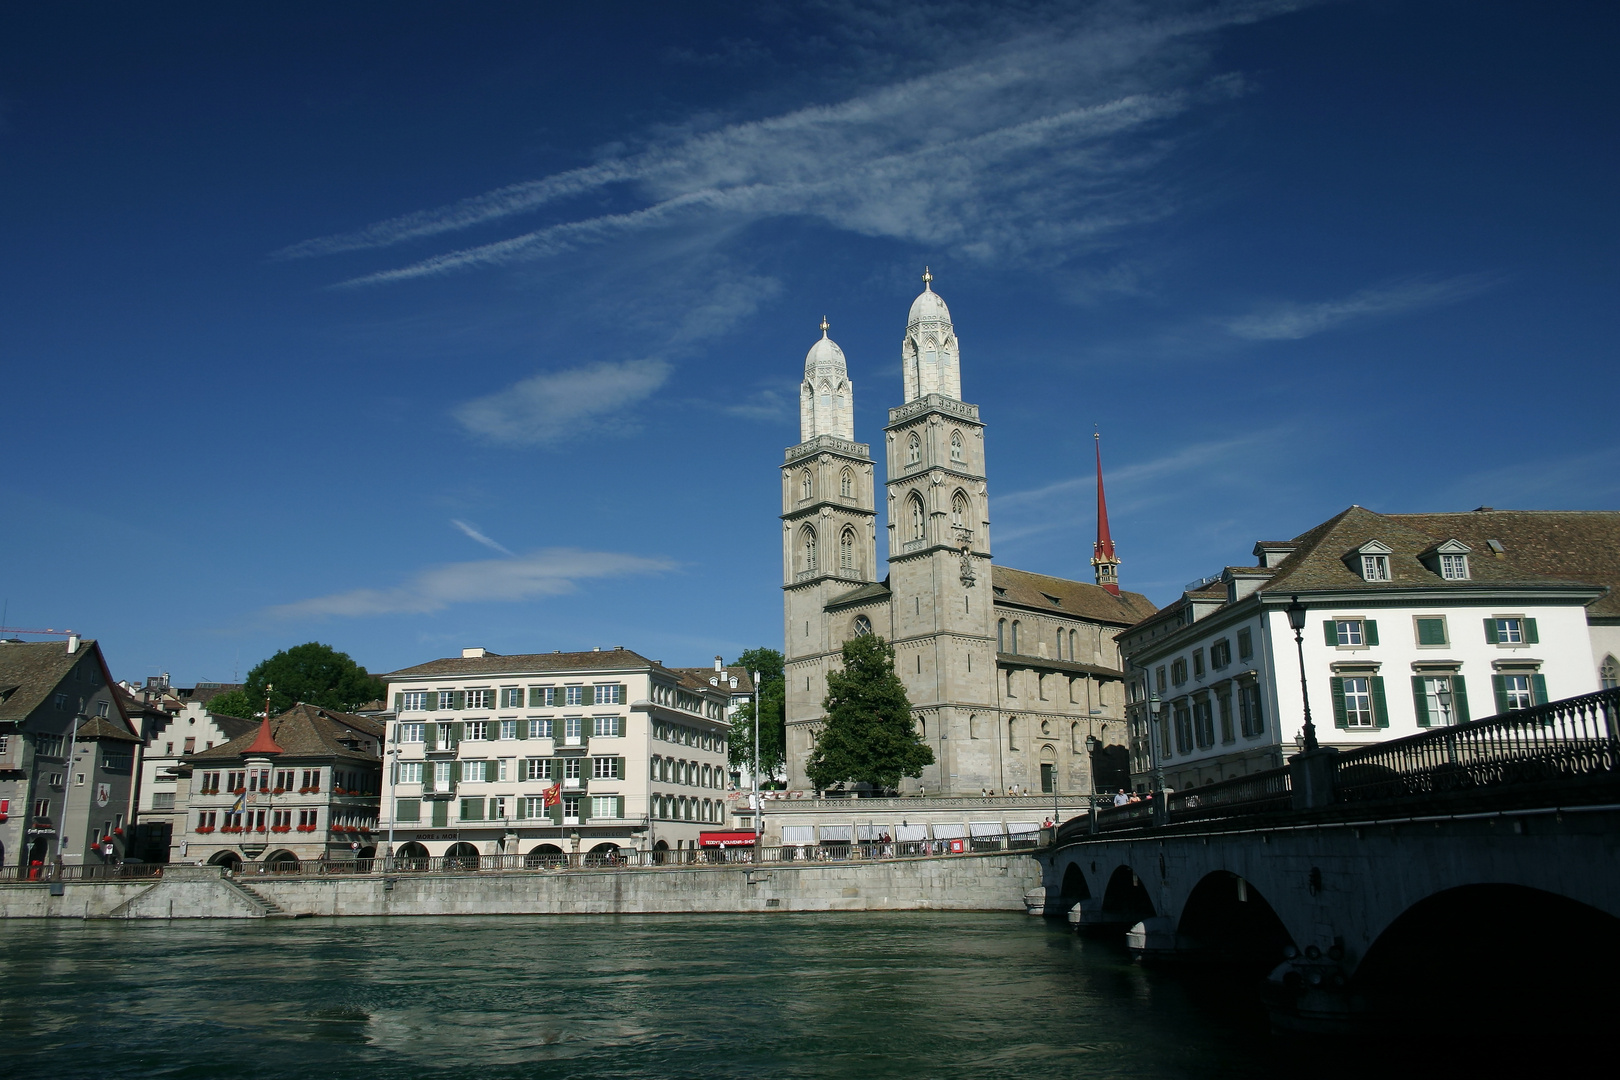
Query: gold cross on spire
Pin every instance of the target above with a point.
(927, 277)
(824, 325)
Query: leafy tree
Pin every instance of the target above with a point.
(234, 703)
(313, 673)
(869, 736)
(772, 725)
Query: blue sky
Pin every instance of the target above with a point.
(411, 327)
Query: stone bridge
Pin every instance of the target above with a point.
(1378, 882)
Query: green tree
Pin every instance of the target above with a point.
(313, 673)
(772, 726)
(869, 736)
(234, 703)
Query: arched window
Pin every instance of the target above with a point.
(1012, 734)
(919, 519)
(846, 549)
(1001, 635)
(956, 447)
(863, 625)
(973, 725)
(959, 510)
(1074, 645)
(655, 768)
(1076, 743)
(846, 484)
(1060, 643)
(806, 488)
(808, 546)
(1015, 636)
(913, 449)
(1609, 673)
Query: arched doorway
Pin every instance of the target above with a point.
(1228, 921)
(412, 856)
(544, 855)
(281, 862)
(228, 859)
(602, 855)
(461, 856)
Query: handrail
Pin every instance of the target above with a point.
(86, 872)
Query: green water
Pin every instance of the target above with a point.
(848, 995)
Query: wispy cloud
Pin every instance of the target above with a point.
(557, 405)
(478, 536)
(1291, 321)
(1041, 144)
(549, 572)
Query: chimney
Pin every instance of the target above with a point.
(73, 644)
(719, 664)
(473, 654)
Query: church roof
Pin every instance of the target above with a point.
(928, 305)
(1077, 599)
(825, 360)
(878, 590)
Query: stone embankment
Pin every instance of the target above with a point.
(958, 883)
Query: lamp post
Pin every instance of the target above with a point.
(758, 808)
(1296, 619)
(1154, 707)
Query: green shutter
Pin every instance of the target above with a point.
(432, 701)
(521, 811)
(537, 697)
(409, 810)
(1339, 719)
(1431, 632)
(587, 725)
(1330, 633)
(1380, 707)
(588, 695)
(399, 704)
(494, 810)
(1490, 631)
(458, 731)
(555, 813)
(455, 774)
(624, 699)
(1459, 698)
(430, 736)
(1371, 629)
(619, 806)
(523, 729)
(460, 701)
(1530, 635)
(1420, 701)
(620, 766)
(1499, 684)
(1538, 686)
(441, 813)
(427, 777)
(584, 807)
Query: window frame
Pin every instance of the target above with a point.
(1417, 632)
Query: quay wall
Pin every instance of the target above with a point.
(991, 882)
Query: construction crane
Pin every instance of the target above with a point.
(47, 630)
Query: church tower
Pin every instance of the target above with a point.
(829, 534)
(939, 550)
(1103, 560)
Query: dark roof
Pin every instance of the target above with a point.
(491, 664)
(30, 671)
(304, 731)
(204, 694)
(1319, 562)
(1078, 599)
(101, 727)
(877, 590)
(702, 675)
(1572, 545)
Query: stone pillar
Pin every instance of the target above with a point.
(1312, 777)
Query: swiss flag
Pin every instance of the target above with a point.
(552, 796)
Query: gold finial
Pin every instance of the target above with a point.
(824, 325)
(927, 277)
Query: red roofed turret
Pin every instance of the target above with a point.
(1103, 559)
(265, 744)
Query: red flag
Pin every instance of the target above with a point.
(552, 796)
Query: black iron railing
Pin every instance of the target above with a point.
(1256, 793)
(1562, 740)
(93, 872)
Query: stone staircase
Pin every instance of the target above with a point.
(271, 909)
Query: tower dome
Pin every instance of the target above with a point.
(826, 397)
(929, 357)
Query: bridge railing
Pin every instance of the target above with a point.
(86, 872)
(1562, 740)
(1256, 793)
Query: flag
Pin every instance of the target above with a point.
(236, 807)
(552, 796)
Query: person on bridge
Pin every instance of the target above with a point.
(1122, 798)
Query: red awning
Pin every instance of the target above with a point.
(726, 839)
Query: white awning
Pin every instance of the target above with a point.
(985, 828)
(949, 832)
(798, 834)
(911, 832)
(871, 832)
(834, 832)
(1019, 828)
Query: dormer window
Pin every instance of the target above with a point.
(1454, 567)
(1371, 560)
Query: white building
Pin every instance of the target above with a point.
(174, 735)
(553, 753)
(1413, 621)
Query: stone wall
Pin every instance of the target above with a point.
(962, 883)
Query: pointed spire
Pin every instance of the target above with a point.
(1103, 559)
(265, 744)
(825, 326)
(928, 278)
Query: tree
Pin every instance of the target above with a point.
(869, 736)
(234, 703)
(313, 673)
(772, 727)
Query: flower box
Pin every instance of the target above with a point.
(278, 791)
(281, 828)
(205, 828)
(304, 791)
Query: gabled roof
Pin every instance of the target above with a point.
(701, 675)
(101, 727)
(526, 663)
(1076, 599)
(877, 590)
(30, 671)
(305, 732)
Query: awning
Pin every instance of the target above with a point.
(725, 839)
(985, 828)
(798, 834)
(835, 833)
(1019, 828)
(871, 832)
(911, 832)
(949, 832)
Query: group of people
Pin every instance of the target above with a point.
(1125, 798)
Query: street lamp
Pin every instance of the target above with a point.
(758, 808)
(1296, 619)
(1154, 707)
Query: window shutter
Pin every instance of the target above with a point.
(1459, 698)
(1371, 629)
(1538, 685)
(430, 736)
(587, 726)
(1499, 685)
(522, 808)
(588, 695)
(461, 700)
(1380, 707)
(555, 813)
(493, 810)
(1530, 635)
(1330, 633)
(441, 813)
(620, 774)
(1420, 701)
(1339, 719)
(584, 807)
(399, 704)
(537, 697)
(624, 699)
(427, 777)
(523, 729)
(432, 702)
(1490, 631)
(455, 773)
(619, 806)
(458, 731)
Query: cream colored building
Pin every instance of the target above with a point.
(1010, 673)
(635, 751)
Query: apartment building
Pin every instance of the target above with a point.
(552, 753)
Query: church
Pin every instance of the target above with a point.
(1015, 679)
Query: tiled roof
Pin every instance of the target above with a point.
(305, 731)
(702, 675)
(1078, 599)
(101, 727)
(30, 671)
(877, 590)
(491, 664)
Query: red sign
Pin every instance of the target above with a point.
(726, 839)
(958, 845)
(551, 796)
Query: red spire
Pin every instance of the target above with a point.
(1102, 553)
(264, 744)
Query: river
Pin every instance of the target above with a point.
(832, 995)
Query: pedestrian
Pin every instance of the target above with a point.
(1121, 799)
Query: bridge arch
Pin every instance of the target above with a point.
(1227, 919)
(1126, 899)
(1072, 890)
